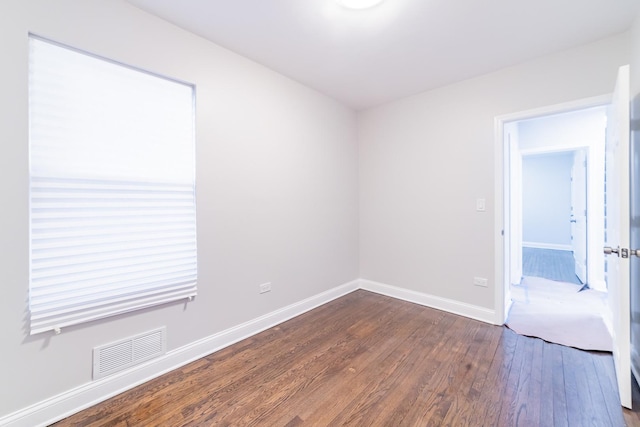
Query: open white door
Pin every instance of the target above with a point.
(617, 232)
(579, 214)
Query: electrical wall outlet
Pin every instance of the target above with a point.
(265, 287)
(480, 281)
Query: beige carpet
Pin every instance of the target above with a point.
(558, 313)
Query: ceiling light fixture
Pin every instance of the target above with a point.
(358, 4)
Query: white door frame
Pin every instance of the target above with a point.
(502, 219)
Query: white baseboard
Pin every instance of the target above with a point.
(58, 407)
(554, 246)
(456, 307)
(507, 309)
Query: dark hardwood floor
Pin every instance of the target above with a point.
(370, 360)
(549, 264)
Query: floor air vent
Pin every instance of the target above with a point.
(114, 357)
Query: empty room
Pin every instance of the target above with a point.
(284, 213)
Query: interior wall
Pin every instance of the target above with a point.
(424, 160)
(546, 200)
(276, 189)
(576, 129)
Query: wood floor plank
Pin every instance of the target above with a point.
(272, 397)
(531, 400)
(509, 397)
(407, 397)
(572, 390)
(558, 389)
(377, 401)
(279, 368)
(603, 365)
(497, 378)
(367, 359)
(382, 404)
(546, 387)
(439, 393)
(550, 264)
(464, 403)
(599, 405)
(362, 374)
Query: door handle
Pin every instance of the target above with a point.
(609, 250)
(572, 220)
(621, 252)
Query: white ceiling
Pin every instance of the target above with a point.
(399, 48)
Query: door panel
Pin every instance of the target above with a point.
(617, 231)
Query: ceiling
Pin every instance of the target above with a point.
(398, 48)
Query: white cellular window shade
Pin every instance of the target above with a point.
(112, 188)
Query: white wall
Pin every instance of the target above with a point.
(276, 189)
(425, 159)
(576, 129)
(546, 199)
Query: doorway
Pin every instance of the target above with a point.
(554, 214)
(537, 132)
(555, 161)
(617, 189)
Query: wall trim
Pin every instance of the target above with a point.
(65, 404)
(554, 246)
(451, 306)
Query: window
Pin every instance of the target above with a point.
(112, 188)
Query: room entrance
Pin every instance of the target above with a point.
(614, 160)
(556, 197)
(558, 295)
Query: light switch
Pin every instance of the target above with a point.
(481, 205)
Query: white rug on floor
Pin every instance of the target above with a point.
(558, 313)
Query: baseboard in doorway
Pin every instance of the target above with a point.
(553, 246)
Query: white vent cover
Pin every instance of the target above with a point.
(114, 357)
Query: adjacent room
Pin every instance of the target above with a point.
(261, 212)
(558, 286)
